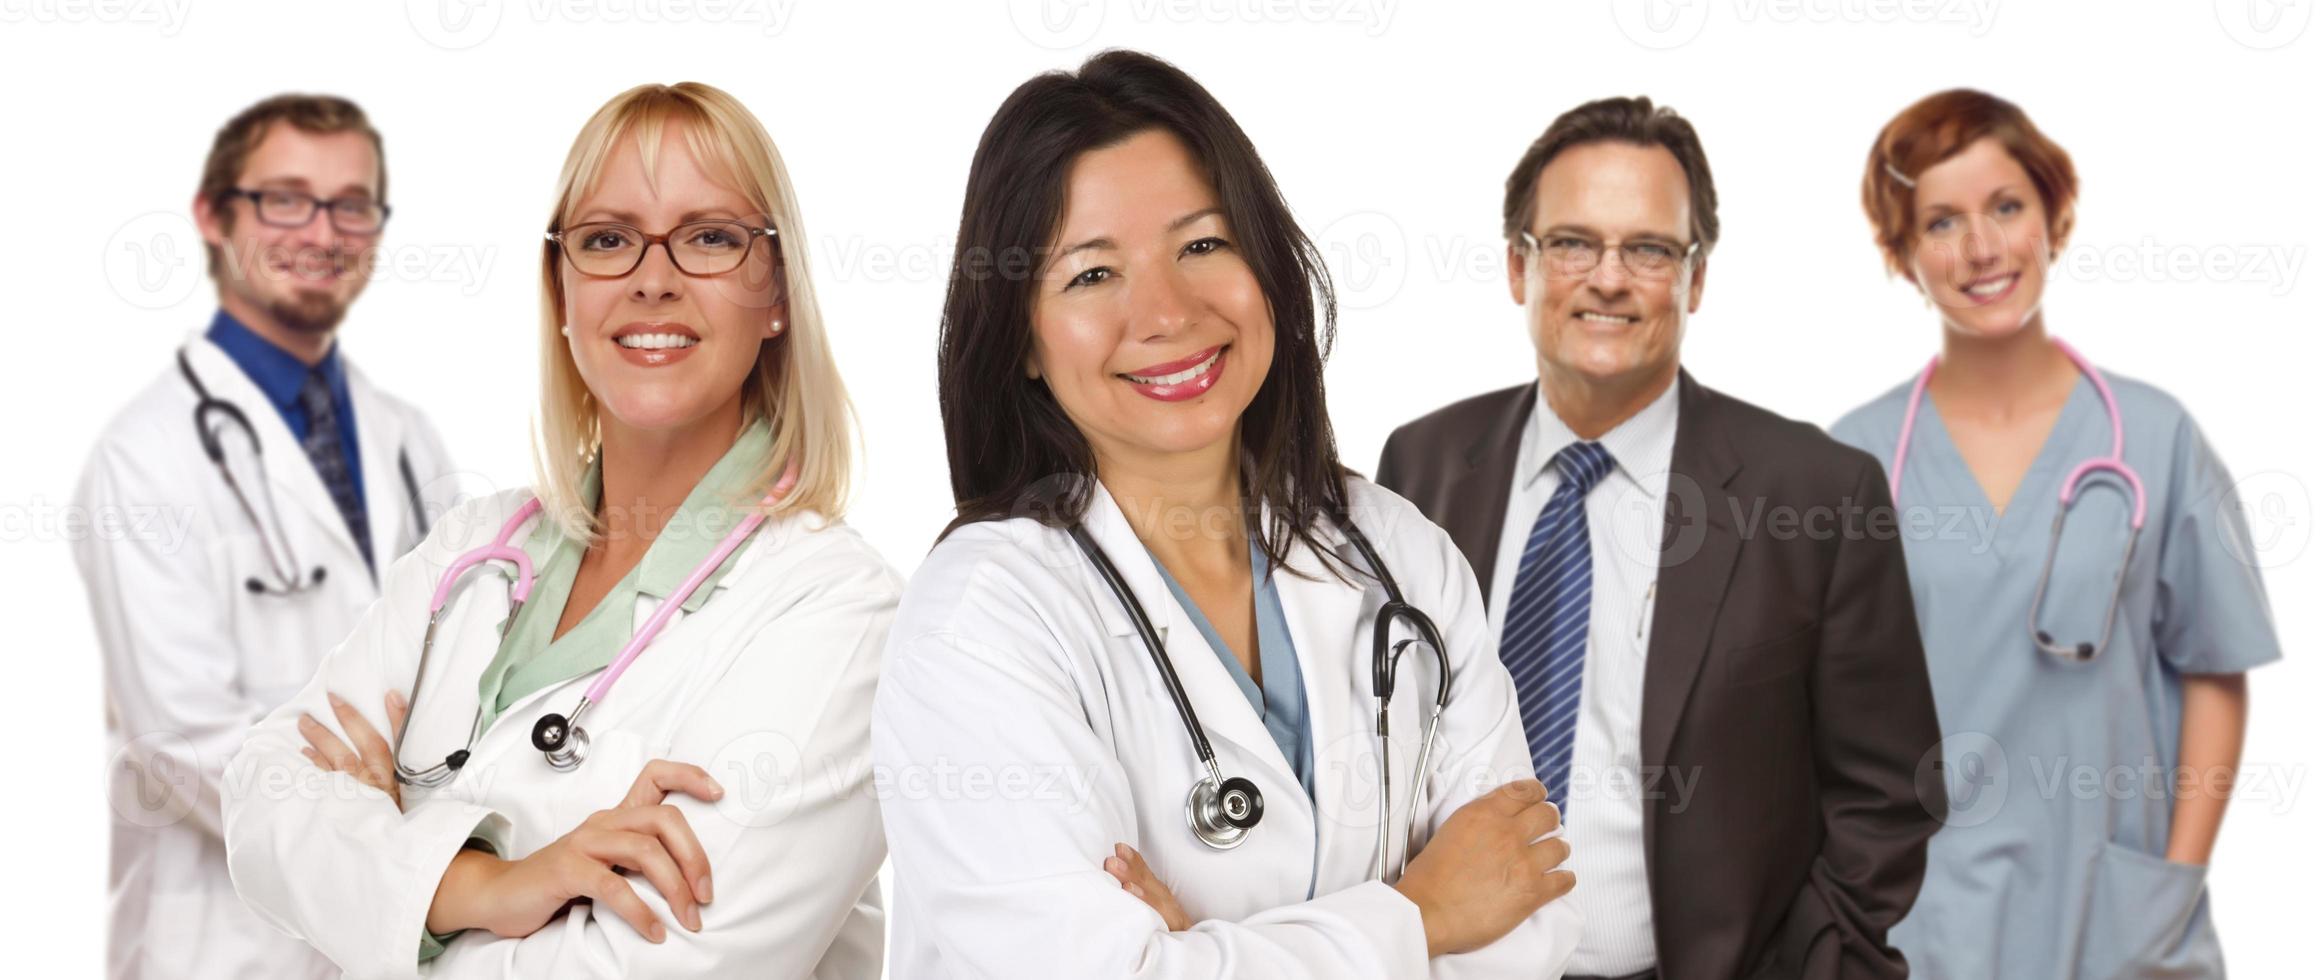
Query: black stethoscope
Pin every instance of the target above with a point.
(281, 560)
(1221, 811)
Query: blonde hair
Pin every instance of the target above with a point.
(795, 386)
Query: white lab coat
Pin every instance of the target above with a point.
(1022, 729)
(768, 686)
(192, 658)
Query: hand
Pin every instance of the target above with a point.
(372, 760)
(514, 899)
(1129, 867)
(1484, 871)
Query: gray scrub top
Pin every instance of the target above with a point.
(1282, 704)
(2050, 863)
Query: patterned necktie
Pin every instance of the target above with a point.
(1546, 628)
(330, 458)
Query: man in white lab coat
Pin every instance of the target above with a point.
(294, 482)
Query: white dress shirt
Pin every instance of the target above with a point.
(1604, 817)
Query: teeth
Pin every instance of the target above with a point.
(1606, 318)
(1991, 288)
(655, 341)
(1180, 377)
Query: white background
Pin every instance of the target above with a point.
(1390, 125)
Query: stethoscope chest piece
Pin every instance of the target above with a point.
(1222, 813)
(564, 743)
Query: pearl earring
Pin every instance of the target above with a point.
(567, 330)
(775, 325)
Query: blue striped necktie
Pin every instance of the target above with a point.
(329, 454)
(1545, 631)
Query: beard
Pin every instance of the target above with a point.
(308, 311)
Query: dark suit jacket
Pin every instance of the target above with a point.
(1784, 678)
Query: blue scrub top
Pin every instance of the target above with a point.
(1282, 704)
(2050, 864)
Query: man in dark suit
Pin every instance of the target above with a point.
(1704, 606)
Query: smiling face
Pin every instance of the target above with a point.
(1608, 324)
(303, 278)
(1148, 325)
(1982, 242)
(660, 349)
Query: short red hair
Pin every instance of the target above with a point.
(1932, 131)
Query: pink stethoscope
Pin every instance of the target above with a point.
(2113, 463)
(560, 738)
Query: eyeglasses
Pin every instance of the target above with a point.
(292, 209)
(610, 249)
(1574, 256)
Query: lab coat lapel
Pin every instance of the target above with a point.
(1330, 622)
(296, 487)
(1224, 713)
(379, 436)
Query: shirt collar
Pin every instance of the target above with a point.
(718, 502)
(1641, 444)
(277, 373)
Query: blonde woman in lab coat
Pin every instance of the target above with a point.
(717, 820)
(1130, 357)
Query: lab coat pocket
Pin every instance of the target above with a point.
(2148, 918)
(615, 759)
(1768, 660)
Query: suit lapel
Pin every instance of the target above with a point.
(1699, 545)
(1491, 463)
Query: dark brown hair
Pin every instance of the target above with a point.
(1634, 120)
(230, 151)
(1013, 451)
(1930, 132)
